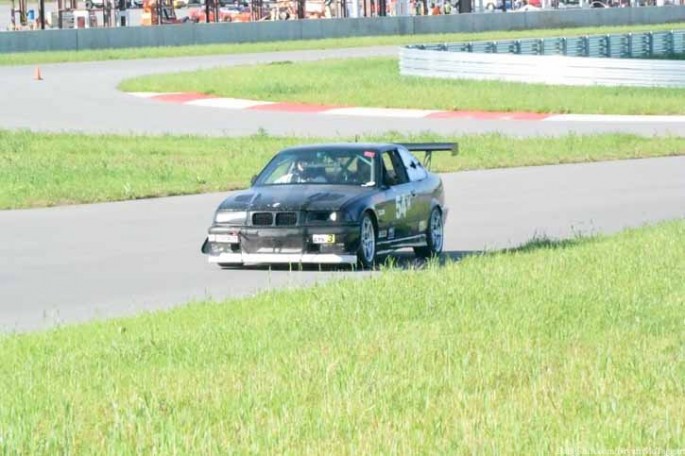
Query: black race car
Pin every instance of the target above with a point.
(339, 203)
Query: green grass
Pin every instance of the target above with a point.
(376, 82)
(54, 169)
(27, 58)
(555, 347)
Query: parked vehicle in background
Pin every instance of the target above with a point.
(226, 14)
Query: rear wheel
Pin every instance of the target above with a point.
(366, 255)
(434, 236)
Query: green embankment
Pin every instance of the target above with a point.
(555, 347)
(52, 169)
(376, 82)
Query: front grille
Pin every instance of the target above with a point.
(286, 219)
(268, 242)
(262, 218)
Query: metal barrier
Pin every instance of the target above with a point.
(633, 59)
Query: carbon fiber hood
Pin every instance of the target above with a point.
(294, 197)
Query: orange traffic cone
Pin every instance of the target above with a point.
(37, 76)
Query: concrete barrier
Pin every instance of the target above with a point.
(639, 59)
(187, 34)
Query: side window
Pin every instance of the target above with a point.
(393, 170)
(415, 169)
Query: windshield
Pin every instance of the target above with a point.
(333, 167)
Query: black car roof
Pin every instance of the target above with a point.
(340, 147)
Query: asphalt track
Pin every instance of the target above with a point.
(71, 264)
(75, 263)
(83, 97)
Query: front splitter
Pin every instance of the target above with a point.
(281, 258)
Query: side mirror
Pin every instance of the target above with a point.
(253, 179)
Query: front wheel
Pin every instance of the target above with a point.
(434, 236)
(366, 255)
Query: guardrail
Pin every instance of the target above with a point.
(625, 60)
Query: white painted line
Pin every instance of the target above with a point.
(228, 103)
(379, 112)
(612, 118)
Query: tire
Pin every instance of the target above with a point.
(435, 236)
(368, 235)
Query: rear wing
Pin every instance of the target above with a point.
(431, 147)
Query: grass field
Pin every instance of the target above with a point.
(217, 49)
(54, 169)
(376, 82)
(572, 347)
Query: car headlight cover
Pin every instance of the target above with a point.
(230, 217)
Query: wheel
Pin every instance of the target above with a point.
(366, 255)
(434, 236)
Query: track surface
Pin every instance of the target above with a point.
(76, 263)
(71, 264)
(83, 96)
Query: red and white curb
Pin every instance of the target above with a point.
(196, 99)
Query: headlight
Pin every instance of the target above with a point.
(341, 217)
(230, 217)
(324, 217)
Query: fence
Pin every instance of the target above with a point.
(187, 34)
(633, 59)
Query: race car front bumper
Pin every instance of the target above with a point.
(249, 245)
(282, 258)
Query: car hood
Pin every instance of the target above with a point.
(294, 197)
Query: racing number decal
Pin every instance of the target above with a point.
(402, 206)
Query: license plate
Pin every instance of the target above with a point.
(226, 238)
(323, 238)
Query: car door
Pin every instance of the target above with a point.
(421, 190)
(397, 200)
